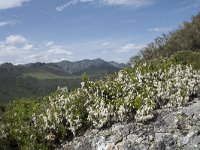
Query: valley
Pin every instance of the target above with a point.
(40, 79)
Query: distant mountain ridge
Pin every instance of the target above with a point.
(77, 66)
(39, 79)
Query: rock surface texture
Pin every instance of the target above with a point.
(171, 129)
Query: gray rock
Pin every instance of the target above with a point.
(173, 129)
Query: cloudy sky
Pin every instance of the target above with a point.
(54, 30)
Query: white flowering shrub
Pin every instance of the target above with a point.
(163, 85)
(63, 115)
(107, 101)
(132, 94)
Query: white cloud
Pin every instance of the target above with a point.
(58, 50)
(104, 52)
(49, 43)
(58, 60)
(107, 49)
(62, 7)
(160, 29)
(15, 45)
(107, 43)
(29, 59)
(4, 23)
(15, 39)
(17, 49)
(5, 4)
(20, 50)
(70, 3)
(28, 46)
(129, 47)
(131, 3)
(7, 50)
(10, 50)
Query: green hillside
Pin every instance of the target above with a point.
(40, 79)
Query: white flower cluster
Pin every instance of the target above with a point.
(141, 89)
(132, 93)
(63, 113)
(3, 134)
(107, 101)
(163, 87)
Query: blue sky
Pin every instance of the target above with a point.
(54, 30)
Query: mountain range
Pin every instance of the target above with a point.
(77, 66)
(39, 79)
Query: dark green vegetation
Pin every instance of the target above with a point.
(185, 38)
(165, 73)
(40, 79)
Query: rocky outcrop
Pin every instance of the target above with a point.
(171, 129)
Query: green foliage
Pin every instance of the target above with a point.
(188, 57)
(17, 120)
(186, 37)
(138, 102)
(26, 86)
(130, 95)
